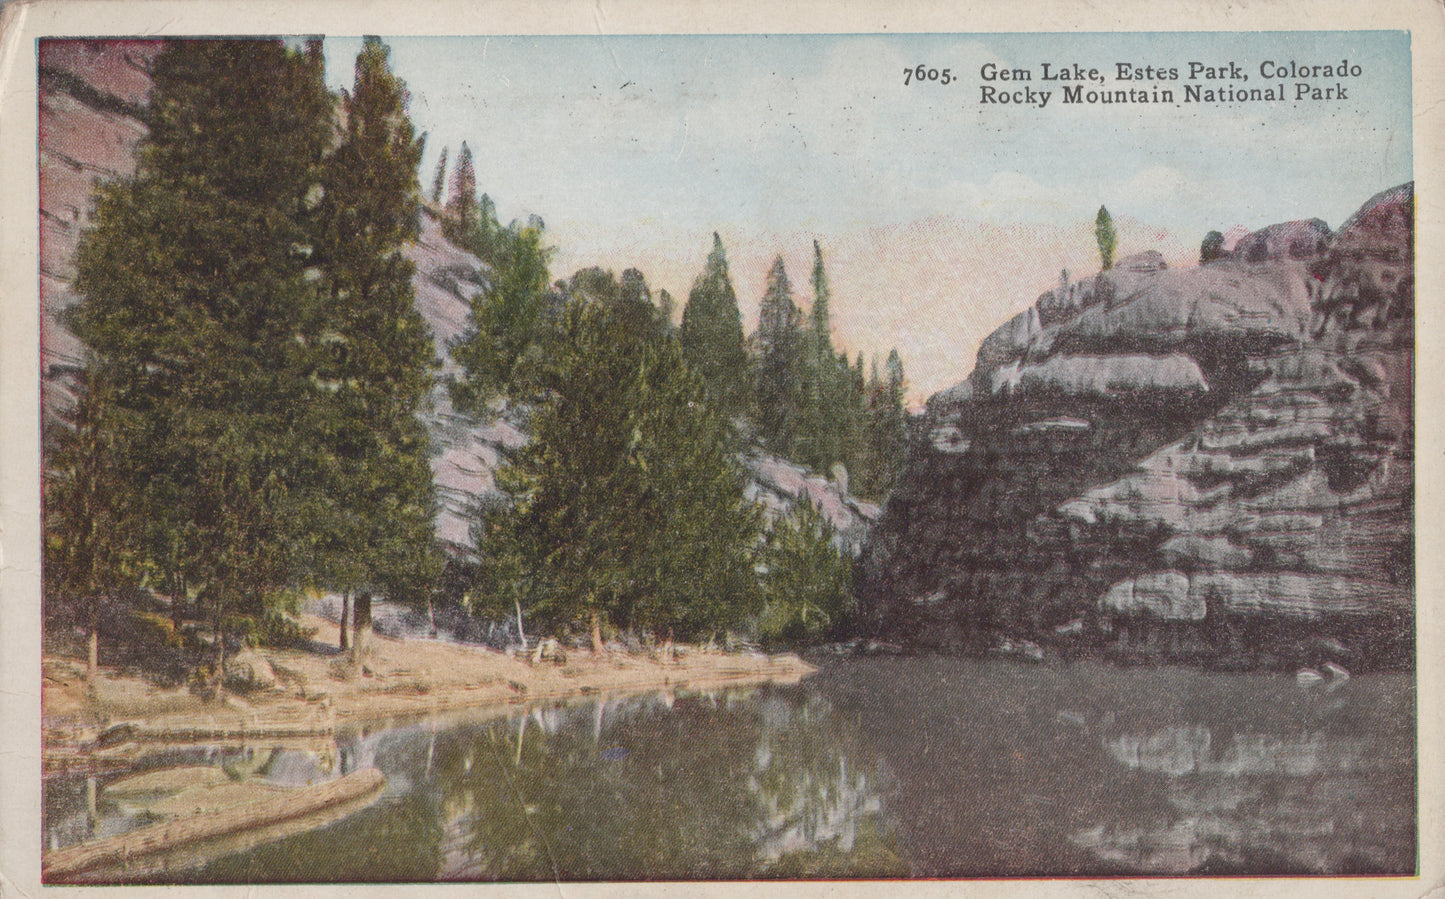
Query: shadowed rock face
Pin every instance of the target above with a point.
(1213, 461)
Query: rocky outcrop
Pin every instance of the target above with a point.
(465, 453)
(1211, 461)
(778, 485)
(91, 96)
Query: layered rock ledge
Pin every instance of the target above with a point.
(1210, 462)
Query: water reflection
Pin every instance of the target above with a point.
(1010, 769)
(1258, 802)
(767, 782)
(933, 767)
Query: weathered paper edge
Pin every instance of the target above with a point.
(26, 20)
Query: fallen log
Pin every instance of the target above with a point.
(192, 733)
(121, 849)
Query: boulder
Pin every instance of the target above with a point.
(1303, 240)
(249, 670)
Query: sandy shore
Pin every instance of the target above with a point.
(317, 692)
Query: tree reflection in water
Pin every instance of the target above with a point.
(723, 786)
(741, 784)
(880, 766)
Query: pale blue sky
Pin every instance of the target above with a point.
(931, 206)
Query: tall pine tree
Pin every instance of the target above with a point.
(505, 324)
(92, 517)
(439, 179)
(462, 200)
(197, 296)
(629, 510)
(778, 343)
(822, 381)
(1106, 237)
(371, 482)
(712, 333)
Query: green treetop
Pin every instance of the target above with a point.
(712, 333)
(439, 179)
(373, 354)
(1106, 237)
(628, 507)
(778, 343)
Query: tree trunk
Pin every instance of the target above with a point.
(92, 656)
(597, 646)
(521, 634)
(177, 591)
(345, 614)
(220, 656)
(361, 614)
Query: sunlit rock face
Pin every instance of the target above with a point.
(1214, 461)
(465, 452)
(779, 485)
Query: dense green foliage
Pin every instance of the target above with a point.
(807, 581)
(628, 509)
(887, 430)
(374, 508)
(196, 288)
(248, 428)
(810, 405)
(90, 544)
(502, 338)
(778, 345)
(249, 313)
(1106, 237)
(712, 334)
(500, 345)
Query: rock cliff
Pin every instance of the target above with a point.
(1212, 462)
(91, 97)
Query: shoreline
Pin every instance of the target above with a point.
(316, 691)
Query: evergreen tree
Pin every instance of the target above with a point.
(778, 342)
(91, 543)
(373, 503)
(807, 580)
(505, 322)
(196, 299)
(666, 309)
(822, 299)
(439, 180)
(712, 333)
(887, 429)
(628, 509)
(821, 382)
(1106, 237)
(462, 201)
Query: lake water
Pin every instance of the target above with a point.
(875, 767)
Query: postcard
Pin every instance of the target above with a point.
(641, 449)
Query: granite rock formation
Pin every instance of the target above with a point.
(1211, 462)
